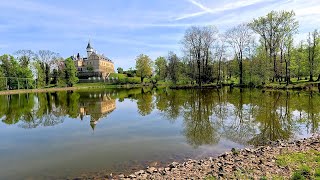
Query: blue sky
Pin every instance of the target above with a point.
(123, 29)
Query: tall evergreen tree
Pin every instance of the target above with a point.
(70, 72)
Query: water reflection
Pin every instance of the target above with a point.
(242, 116)
(97, 106)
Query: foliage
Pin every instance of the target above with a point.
(143, 66)
(197, 44)
(120, 70)
(90, 68)
(174, 67)
(17, 72)
(161, 68)
(239, 38)
(70, 72)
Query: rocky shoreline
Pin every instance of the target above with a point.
(248, 163)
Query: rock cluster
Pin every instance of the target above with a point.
(238, 164)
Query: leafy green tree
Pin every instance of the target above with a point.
(70, 72)
(299, 63)
(313, 43)
(239, 37)
(131, 72)
(120, 70)
(143, 66)
(14, 70)
(173, 67)
(48, 60)
(197, 44)
(40, 74)
(3, 82)
(273, 28)
(61, 80)
(161, 67)
(90, 68)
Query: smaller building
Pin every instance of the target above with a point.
(94, 65)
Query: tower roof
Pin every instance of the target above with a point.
(89, 45)
(93, 125)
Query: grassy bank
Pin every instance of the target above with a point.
(51, 89)
(304, 165)
(79, 86)
(300, 86)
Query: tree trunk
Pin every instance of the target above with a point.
(275, 66)
(199, 66)
(241, 69)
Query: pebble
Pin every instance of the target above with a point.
(252, 162)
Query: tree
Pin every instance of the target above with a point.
(173, 67)
(17, 75)
(90, 68)
(3, 82)
(273, 28)
(161, 67)
(220, 51)
(40, 74)
(313, 42)
(239, 38)
(120, 70)
(299, 61)
(25, 57)
(48, 60)
(197, 43)
(143, 66)
(288, 47)
(70, 72)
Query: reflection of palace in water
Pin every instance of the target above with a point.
(97, 106)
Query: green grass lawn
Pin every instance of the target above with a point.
(305, 165)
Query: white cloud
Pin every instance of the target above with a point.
(219, 7)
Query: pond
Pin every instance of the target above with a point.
(65, 134)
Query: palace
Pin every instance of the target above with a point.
(94, 65)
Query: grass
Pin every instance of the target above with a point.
(97, 84)
(210, 178)
(305, 165)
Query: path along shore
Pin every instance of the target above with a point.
(265, 162)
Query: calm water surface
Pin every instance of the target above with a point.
(65, 134)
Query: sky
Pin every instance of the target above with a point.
(123, 29)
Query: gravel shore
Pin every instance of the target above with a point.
(248, 163)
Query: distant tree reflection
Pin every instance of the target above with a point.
(242, 115)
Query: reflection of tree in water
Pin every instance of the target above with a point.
(235, 120)
(199, 128)
(243, 116)
(171, 102)
(274, 118)
(248, 116)
(13, 108)
(43, 109)
(144, 102)
(47, 112)
(313, 114)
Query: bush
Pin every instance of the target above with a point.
(303, 173)
(134, 80)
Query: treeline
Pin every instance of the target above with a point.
(255, 53)
(27, 69)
